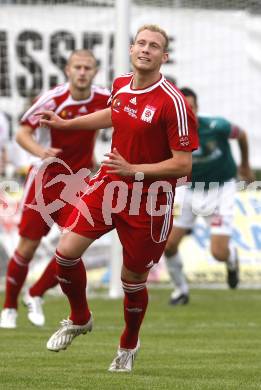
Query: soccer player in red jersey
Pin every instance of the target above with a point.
(58, 158)
(155, 132)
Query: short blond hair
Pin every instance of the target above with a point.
(154, 28)
(82, 53)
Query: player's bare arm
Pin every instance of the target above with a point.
(177, 166)
(244, 169)
(3, 159)
(25, 139)
(95, 121)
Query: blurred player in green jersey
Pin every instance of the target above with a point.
(211, 195)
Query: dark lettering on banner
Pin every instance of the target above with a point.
(111, 59)
(57, 39)
(24, 41)
(42, 57)
(10, 120)
(90, 40)
(170, 50)
(5, 85)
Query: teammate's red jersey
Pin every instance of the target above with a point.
(149, 123)
(77, 145)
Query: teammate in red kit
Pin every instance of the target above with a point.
(59, 161)
(154, 134)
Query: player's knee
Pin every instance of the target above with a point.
(170, 249)
(64, 248)
(219, 252)
(27, 248)
(130, 276)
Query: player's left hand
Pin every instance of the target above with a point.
(117, 164)
(246, 173)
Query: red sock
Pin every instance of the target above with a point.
(71, 275)
(135, 305)
(16, 274)
(46, 281)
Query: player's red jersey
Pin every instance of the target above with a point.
(149, 123)
(77, 145)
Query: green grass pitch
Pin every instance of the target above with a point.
(212, 343)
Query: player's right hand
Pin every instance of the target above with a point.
(50, 152)
(50, 119)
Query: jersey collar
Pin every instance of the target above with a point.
(128, 89)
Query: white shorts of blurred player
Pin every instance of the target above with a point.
(215, 206)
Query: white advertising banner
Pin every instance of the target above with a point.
(199, 265)
(217, 53)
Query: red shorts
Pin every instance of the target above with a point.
(38, 202)
(143, 235)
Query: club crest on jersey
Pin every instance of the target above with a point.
(148, 114)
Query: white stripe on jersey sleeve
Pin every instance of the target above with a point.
(179, 104)
(101, 90)
(47, 96)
